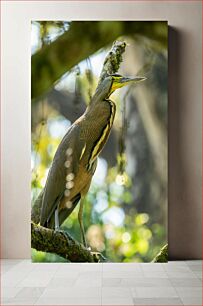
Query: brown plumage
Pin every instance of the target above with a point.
(75, 160)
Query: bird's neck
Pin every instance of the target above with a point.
(104, 108)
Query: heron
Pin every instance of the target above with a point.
(75, 160)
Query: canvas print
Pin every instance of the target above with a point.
(99, 141)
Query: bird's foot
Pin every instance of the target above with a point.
(58, 230)
(96, 255)
(85, 245)
(99, 257)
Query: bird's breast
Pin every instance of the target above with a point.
(98, 130)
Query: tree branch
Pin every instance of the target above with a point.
(113, 60)
(60, 243)
(162, 256)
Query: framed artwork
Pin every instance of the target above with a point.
(99, 141)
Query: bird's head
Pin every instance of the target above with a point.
(112, 83)
(118, 81)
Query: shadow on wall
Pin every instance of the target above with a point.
(184, 228)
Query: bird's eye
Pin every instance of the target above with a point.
(114, 76)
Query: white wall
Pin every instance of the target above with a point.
(184, 112)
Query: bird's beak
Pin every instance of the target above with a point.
(123, 81)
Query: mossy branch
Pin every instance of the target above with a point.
(60, 243)
(113, 60)
(162, 256)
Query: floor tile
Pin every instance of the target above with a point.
(73, 292)
(69, 301)
(122, 274)
(189, 291)
(45, 267)
(176, 262)
(9, 292)
(61, 282)
(16, 274)
(30, 292)
(6, 268)
(91, 267)
(196, 268)
(192, 301)
(12, 281)
(153, 292)
(90, 274)
(117, 301)
(40, 274)
(66, 274)
(198, 274)
(193, 262)
(116, 292)
(126, 267)
(153, 267)
(185, 282)
(70, 267)
(177, 268)
(4, 301)
(155, 274)
(88, 282)
(178, 274)
(157, 301)
(33, 280)
(112, 282)
(146, 282)
(21, 301)
(68, 271)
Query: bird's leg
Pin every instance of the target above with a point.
(80, 219)
(56, 218)
(56, 225)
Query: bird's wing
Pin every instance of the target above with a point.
(65, 162)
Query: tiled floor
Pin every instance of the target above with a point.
(174, 283)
